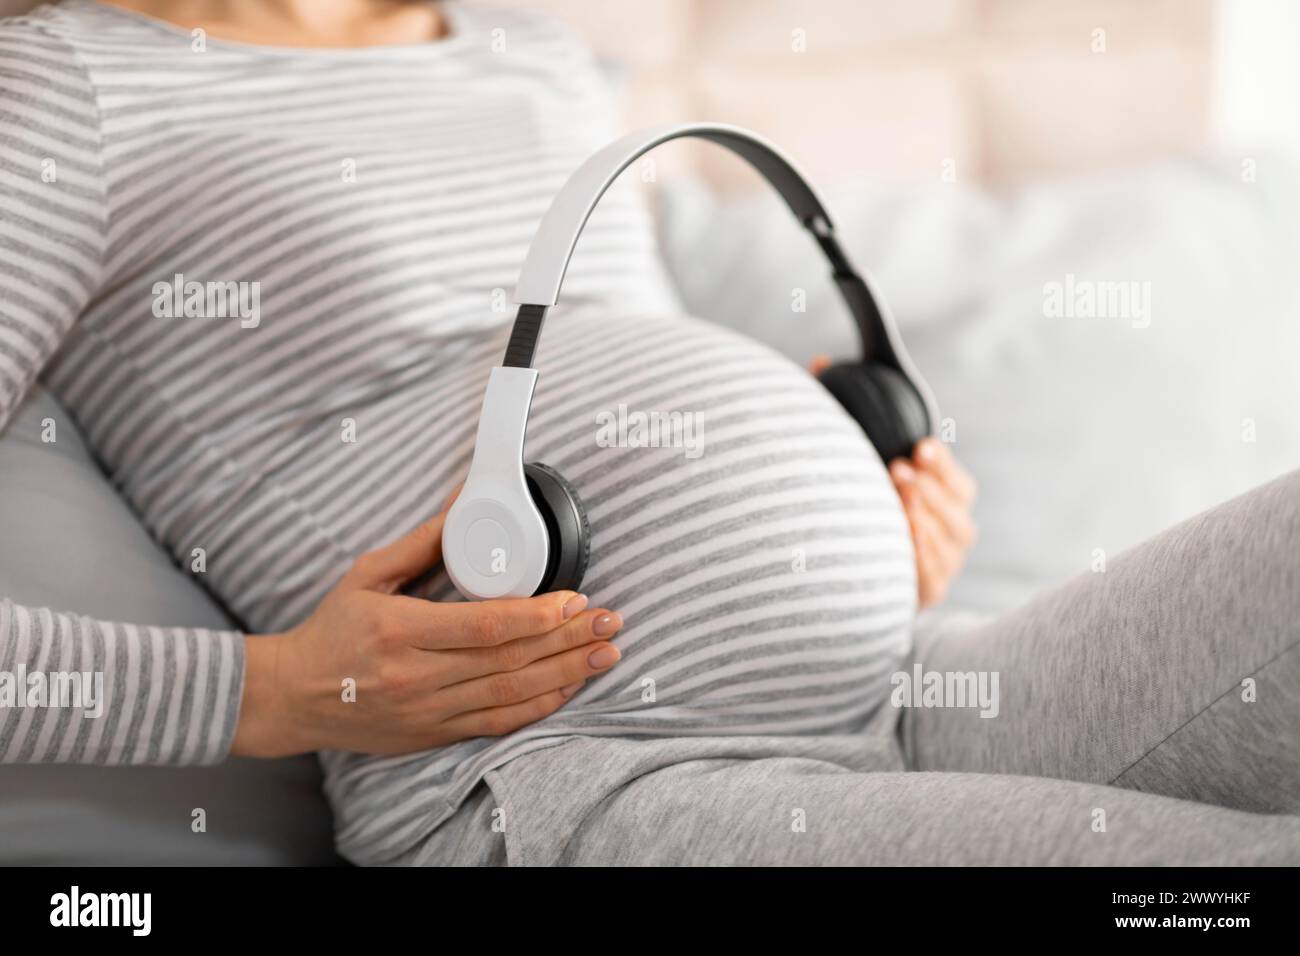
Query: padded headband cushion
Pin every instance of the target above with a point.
(883, 402)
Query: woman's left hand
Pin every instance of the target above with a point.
(937, 495)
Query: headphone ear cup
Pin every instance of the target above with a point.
(882, 400)
(566, 526)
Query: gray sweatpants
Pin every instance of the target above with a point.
(1147, 714)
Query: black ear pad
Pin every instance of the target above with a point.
(881, 400)
(566, 525)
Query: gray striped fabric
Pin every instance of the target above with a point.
(383, 200)
(168, 695)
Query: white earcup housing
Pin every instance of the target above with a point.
(494, 542)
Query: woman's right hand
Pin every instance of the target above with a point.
(423, 674)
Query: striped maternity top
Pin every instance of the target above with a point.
(270, 284)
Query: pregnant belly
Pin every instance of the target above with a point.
(741, 523)
(755, 549)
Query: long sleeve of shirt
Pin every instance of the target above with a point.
(74, 689)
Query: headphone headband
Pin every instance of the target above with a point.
(557, 235)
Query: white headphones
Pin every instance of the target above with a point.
(520, 529)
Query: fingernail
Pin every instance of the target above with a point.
(926, 450)
(902, 471)
(571, 689)
(606, 625)
(603, 657)
(574, 605)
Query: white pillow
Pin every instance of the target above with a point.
(71, 543)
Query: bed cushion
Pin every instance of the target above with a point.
(69, 542)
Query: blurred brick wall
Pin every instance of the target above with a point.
(996, 90)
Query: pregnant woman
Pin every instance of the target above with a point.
(359, 182)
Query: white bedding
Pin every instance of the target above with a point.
(1087, 434)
